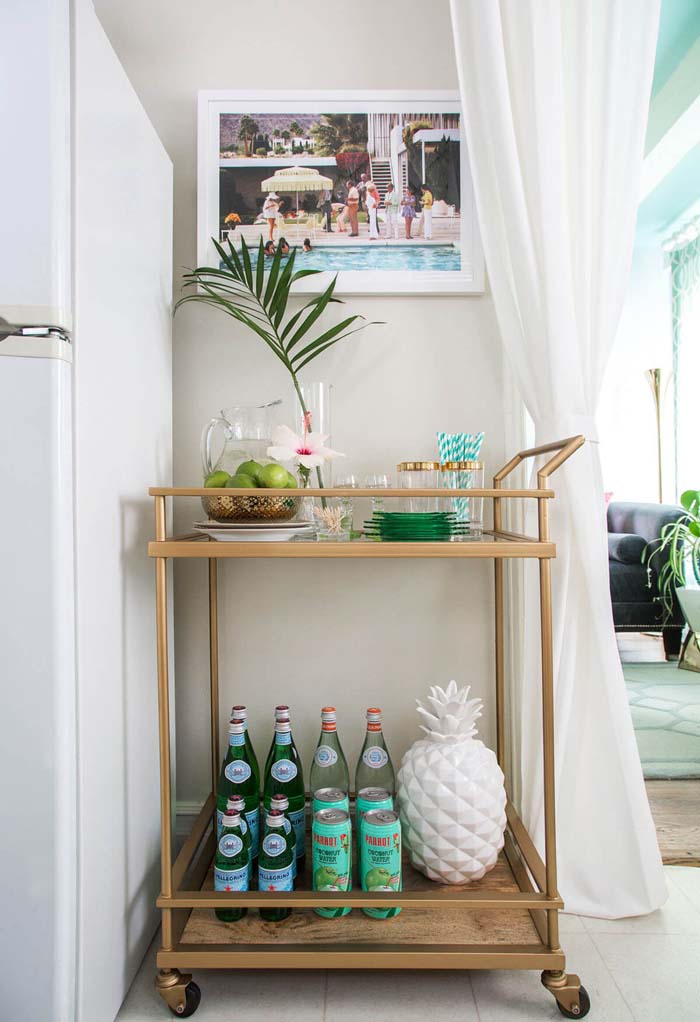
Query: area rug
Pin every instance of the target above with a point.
(665, 706)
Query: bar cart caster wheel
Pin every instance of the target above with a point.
(193, 995)
(581, 1009)
(572, 998)
(179, 991)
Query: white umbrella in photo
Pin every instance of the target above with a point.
(296, 179)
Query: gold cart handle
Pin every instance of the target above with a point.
(565, 449)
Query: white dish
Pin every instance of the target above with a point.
(257, 526)
(246, 535)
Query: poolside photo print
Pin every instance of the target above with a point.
(375, 188)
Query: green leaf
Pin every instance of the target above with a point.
(282, 290)
(260, 269)
(231, 260)
(300, 366)
(313, 315)
(272, 277)
(690, 500)
(293, 320)
(247, 268)
(332, 332)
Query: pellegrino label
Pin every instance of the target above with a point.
(283, 738)
(325, 756)
(230, 845)
(375, 757)
(231, 879)
(275, 879)
(252, 817)
(238, 771)
(236, 739)
(283, 770)
(298, 822)
(274, 844)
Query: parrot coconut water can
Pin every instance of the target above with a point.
(331, 798)
(331, 849)
(367, 800)
(380, 857)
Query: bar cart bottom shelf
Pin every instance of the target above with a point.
(441, 937)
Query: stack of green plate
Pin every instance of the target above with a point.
(405, 526)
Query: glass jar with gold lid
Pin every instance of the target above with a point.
(465, 475)
(418, 475)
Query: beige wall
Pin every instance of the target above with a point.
(308, 634)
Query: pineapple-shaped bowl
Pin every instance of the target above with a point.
(451, 792)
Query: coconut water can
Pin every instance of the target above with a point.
(331, 847)
(380, 857)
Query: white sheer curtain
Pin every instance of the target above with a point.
(555, 95)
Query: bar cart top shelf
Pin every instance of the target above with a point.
(495, 543)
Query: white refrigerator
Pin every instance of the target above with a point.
(85, 428)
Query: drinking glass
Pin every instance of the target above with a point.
(348, 481)
(377, 481)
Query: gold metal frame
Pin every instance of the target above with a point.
(536, 878)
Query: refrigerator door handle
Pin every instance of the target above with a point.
(6, 329)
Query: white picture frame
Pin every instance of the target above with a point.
(468, 278)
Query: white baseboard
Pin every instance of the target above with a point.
(185, 814)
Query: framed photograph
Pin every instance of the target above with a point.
(373, 187)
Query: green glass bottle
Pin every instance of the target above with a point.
(239, 712)
(275, 864)
(281, 802)
(286, 777)
(329, 768)
(231, 865)
(374, 767)
(237, 803)
(281, 713)
(237, 778)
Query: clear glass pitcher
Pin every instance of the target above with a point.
(240, 433)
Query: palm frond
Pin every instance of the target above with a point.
(260, 299)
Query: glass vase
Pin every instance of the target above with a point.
(312, 409)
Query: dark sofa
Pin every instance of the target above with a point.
(636, 606)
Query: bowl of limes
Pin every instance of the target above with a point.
(259, 506)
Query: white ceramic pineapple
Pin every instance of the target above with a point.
(451, 793)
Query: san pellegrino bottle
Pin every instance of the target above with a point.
(275, 863)
(281, 713)
(286, 777)
(237, 778)
(374, 767)
(281, 802)
(329, 768)
(231, 864)
(241, 713)
(237, 803)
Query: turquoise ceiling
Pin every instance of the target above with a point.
(679, 27)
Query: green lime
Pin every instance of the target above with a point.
(217, 479)
(274, 477)
(291, 482)
(250, 468)
(241, 482)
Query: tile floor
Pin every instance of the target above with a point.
(645, 969)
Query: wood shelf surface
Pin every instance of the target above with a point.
(356, 549)
(446, 925)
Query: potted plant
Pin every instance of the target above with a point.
(258, 296)
(680, 541)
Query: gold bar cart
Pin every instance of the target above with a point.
(507, 920)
